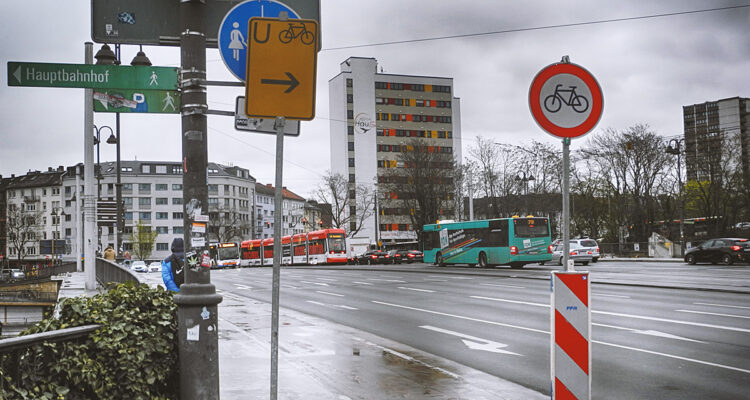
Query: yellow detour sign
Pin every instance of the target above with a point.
(281, 63)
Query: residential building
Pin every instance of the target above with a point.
(293, 208)
(372, 118)
(706, 127)
(32, 215)
(152, 195)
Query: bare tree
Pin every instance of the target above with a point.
(142, 239)
(22, 228)
(351, 203)
(227, 224)
(420, 184)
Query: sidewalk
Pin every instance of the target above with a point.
(322, 360)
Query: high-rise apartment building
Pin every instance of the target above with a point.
(372, 118)
(709, 128)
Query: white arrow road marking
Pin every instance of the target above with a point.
(474, 342)
(721, 305)
(717, 314)
(17, 74)
(416, 290)
(242, 286)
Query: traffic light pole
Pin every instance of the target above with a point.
(197, 302)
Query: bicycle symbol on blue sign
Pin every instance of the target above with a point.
(553, 103)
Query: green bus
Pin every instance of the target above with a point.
(515, 241)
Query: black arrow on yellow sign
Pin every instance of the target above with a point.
(292, 82)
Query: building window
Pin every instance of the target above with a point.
(396, 86)
(144, 201)
(177, 215)
(213, 201)
(161, 186)
(381, 85)
(161, 169)
(213, 188)
(145, 216)
(162, 229)
(144, 188)
(350, 98)
(350, 114)
(176, 186)
(176, 200)
(146, 169)
(417, 87)
(349, 82)
(127, 187)
(351, 162)
(162, 246)
(177, 170)
(178, 230)
(162, 215)
(161, 201)
(128, 201)
(350, 130)
(350, 145)
(129, 216)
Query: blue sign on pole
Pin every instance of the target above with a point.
(234, 29)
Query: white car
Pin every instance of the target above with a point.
(154, 266)
(578, 254)
(139, 266)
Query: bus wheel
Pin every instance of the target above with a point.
(439, 260)
(482, 260)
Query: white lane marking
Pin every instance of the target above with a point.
(416, 290)
(289, 286)
(674, 321)
(363, 283)
(610, 295)
(386, 280)
(722, 305)
(499, 285)
(547, 333)
(461, 317)
(435, 280)
(510, 301)
(717, 314)
(650, 332)
(327, 279)
(244, 287)
(474, 342)
(329, 293)
(673, 356)
(332, 305)
(315, 283)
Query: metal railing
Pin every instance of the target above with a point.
(108, 271)
(12, 348)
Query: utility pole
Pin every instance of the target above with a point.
(197, 302)
(89, 198)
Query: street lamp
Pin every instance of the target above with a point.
(675, 147)
(525, 180)
(97, 140)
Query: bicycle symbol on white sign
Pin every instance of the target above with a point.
(554, 102)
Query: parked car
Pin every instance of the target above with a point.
(139, 266)
(373, 257)
(5, 275)
(154, 266)
(17, 274)
(589, 244)
(578, 254)
(722, 250)
(411, 256)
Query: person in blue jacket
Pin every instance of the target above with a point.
(172, 267)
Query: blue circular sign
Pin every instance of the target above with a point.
(233, 31)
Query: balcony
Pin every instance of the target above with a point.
(31, 199)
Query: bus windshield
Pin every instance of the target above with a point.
(228, 253)
(531, 227)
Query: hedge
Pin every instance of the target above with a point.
(132, 356)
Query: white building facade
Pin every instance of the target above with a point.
(372, 114)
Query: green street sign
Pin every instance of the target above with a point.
(137, 101)
(92, 76)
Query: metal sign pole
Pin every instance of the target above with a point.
(566, 204)
(277, 221)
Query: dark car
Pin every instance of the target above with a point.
(410, 256)
(373, 257)
(722, 250)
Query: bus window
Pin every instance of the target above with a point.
(530, 227)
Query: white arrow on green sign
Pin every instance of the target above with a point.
(137, 101)
(92, 76)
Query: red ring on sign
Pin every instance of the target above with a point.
(597, 101)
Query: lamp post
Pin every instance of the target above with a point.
(97, 140)
(675, 147)
(525, 180)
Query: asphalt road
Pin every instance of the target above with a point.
(648, 342)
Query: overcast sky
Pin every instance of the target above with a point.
(648, 69)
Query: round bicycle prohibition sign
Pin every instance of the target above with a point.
(566, 100)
